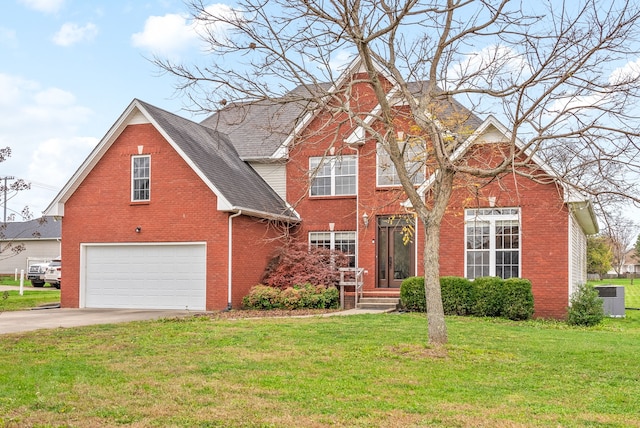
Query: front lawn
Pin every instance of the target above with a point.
(341, 371)
(13, 301)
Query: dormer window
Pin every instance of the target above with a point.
(140, 178)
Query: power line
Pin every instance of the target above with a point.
(5, 195)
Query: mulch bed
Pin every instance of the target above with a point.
(272, 313)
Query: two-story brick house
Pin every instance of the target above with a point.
(169, 213)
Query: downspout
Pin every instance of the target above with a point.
(230, 260)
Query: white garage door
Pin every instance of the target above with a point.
(145, 276)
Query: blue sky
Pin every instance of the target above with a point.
(69, 68)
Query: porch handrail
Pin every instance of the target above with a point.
(356, 278)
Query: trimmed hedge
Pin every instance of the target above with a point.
(305, 296)
(412, 295)
(458, 295)
(518, 299)
(486, 297)
(489, 296)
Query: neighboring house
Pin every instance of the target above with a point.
(38, 238)
(631, 263)
(168, 213)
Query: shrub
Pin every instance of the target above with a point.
(488, 296)
(585, 307)
(262, 297)
(457, 295)
(297, 263)
(306, 296)
(412, 295)
(517, 301)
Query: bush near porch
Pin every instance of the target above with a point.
(305, 296)
(485, 297)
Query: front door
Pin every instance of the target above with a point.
(396, 250)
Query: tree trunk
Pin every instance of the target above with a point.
(437, 328)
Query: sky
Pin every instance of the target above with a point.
(69, 68)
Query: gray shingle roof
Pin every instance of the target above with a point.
(40, 228)
(257, 129)
(214, 155)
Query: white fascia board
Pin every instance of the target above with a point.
(585, 216)
(264, 215)
(283, 151)
(56, 207)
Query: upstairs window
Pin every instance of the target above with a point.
(414, 156)
(333, 176)
(492, 242)
(140, 178)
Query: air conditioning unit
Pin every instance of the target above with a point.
(613, 298)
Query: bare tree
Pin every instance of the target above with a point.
(619, 232)
(559, 75)
(9, 247)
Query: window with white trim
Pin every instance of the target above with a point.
(492, 242)
(414, 155)
(140, 178)
(336, 241)
(333, 176)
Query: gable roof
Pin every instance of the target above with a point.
(44, 228)
(208, 152)
(258, 129)
(580, 206)
(263, 129)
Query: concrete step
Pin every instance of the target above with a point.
(379, 303)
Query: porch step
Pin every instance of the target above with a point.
(379, 303)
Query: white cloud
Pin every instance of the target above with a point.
(173, 34)
(628, 73)
(46, 6)
(491, 67)
(165, 35)
(341, 60)
(71, 33)
(40, 124)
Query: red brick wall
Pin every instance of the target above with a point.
(182, 208)
(544, 228)
(544, 237)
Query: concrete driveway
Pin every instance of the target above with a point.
(19, 321)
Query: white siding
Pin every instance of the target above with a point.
(275, 176)
(39, 250)
(577, 255)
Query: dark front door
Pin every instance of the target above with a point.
(396, 254)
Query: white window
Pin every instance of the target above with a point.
(414, 155)
(333, 176)
(492, 242)
(140, 178)
(336, 241)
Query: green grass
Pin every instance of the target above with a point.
(631, 290)
(13, 301)
(355, 371)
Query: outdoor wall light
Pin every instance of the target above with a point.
(365, 219)
(138, 229)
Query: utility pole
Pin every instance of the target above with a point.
(5, 196)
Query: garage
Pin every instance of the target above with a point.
(143, 276)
